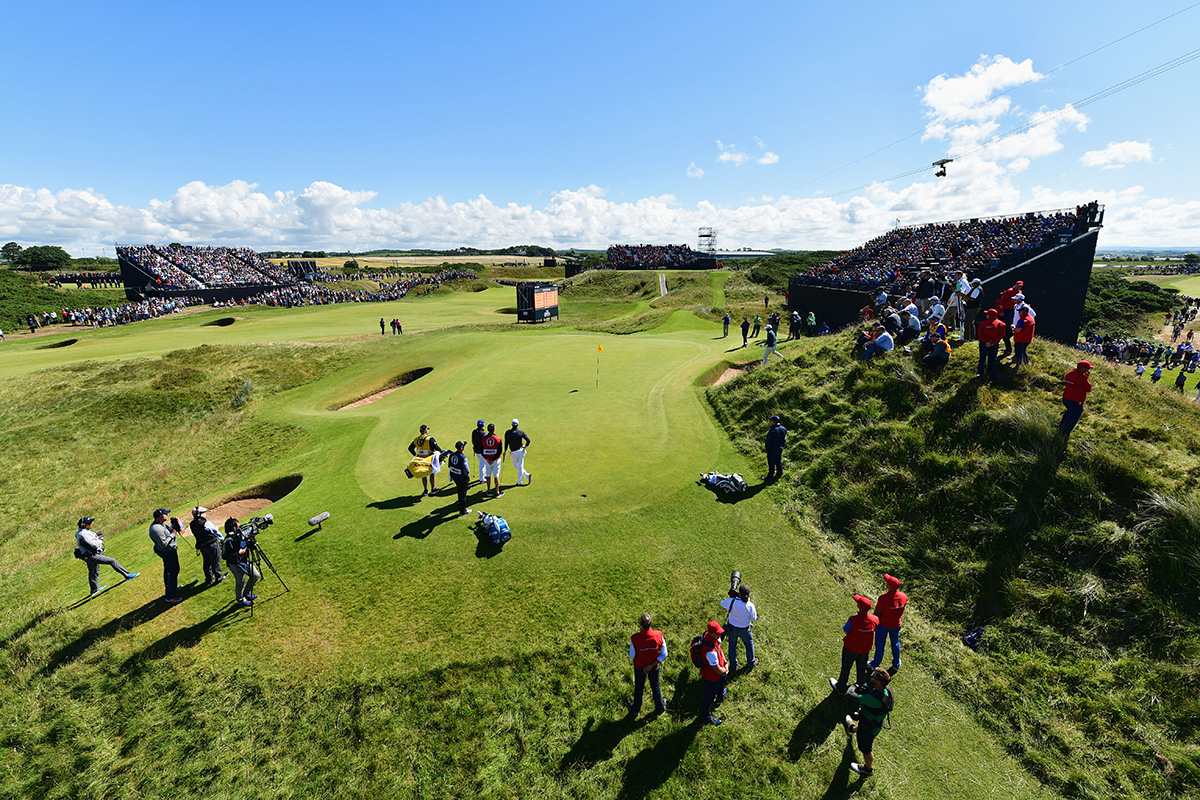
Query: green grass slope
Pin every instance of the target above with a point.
(408, 658)
(1081, 564)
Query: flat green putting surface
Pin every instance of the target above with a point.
(397, 588)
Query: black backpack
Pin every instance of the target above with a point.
(699, 649)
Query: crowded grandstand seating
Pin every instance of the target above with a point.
(304, 294)
(981, 247)
(649, 256)
(190, 267)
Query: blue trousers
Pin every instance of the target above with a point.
(774, 470)
(1070, 417)
(882, 634)
(733, 633)
(714, 692)
(988, 355)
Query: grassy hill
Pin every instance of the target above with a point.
(1080, 563)
(410, 659)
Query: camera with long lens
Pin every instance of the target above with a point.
(250, 528)
(735, 580)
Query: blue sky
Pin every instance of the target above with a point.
(363, 124)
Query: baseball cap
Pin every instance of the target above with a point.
(1084, 365)
(85, 521)
(891, 581)
(516, 421)
(975, 281)
(864, 603)
(768, 327)
(773, 418)
(1020, 283)
(460, 444)
(198, 510)
(162, 512)
(1018, 296)
(991, 312)
(714, 627)
(479, 422)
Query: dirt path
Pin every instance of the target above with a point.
(662, 286)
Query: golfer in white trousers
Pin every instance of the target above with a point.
(515, 442)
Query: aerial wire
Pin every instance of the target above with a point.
(1142, 77)
(1009, 90)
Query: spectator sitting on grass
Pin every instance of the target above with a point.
(881, 342)
(940, 355)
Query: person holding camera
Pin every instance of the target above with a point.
(742, 614)
(875, 702)
(460, 473)
(208, 544)
(647, 650)
(713, 672)
(237, 546)
(90, 548)
(163, 535)
(856, 644)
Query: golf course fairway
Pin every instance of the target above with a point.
(408, 658)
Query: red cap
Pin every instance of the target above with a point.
(864, 603)
(991, 312)
(715, 628)
(1020, 283)
(892, 581)
(1084, 365)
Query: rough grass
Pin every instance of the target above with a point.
(1080, 562)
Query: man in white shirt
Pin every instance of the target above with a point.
(742, 614)
(880, 344)
(936, 309)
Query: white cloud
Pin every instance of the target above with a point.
(1117, 155)
(694, 171)
(968, 96)
(731, 154)
(767, 158)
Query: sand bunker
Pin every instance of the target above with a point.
(250, 502)
(728, 375)
(391, 386)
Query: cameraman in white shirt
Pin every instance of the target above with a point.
(742, 614)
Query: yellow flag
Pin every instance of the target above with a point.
(601, 347)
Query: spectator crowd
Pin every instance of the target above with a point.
(982, 247)
(650, 256)
(316, 295)
(192, 267)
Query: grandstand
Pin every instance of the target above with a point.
(1051, 251)
(653, 256)
(210, 273)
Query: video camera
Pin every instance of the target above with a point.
(249, 529)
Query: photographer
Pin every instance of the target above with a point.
(875, 702)
(208, 544)
(237, 546)
(742, 614)
(166, 546)
(91, 549)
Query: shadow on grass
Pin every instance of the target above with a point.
(815, 727)
(184, 637)
(419, 529)
(651, 768)
(35, 620)
(406, 501)
(484, 546)
(840, 788)
(304, 536)
(131, 619)
(730, 499)
(598, 741)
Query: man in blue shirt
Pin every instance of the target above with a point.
(776, 437)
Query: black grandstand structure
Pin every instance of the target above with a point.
(224, 274)
(1050, 251)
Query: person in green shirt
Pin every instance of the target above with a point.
(875, 702)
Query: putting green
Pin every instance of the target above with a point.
(396, 587)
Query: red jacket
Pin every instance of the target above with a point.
(991, 332)
(708, 672)
(1006, 302)
(861, 637)
(646, 647)
(889, 607)
(1077, 387)
(1024, 333)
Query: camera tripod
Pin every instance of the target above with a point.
(257, 556)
